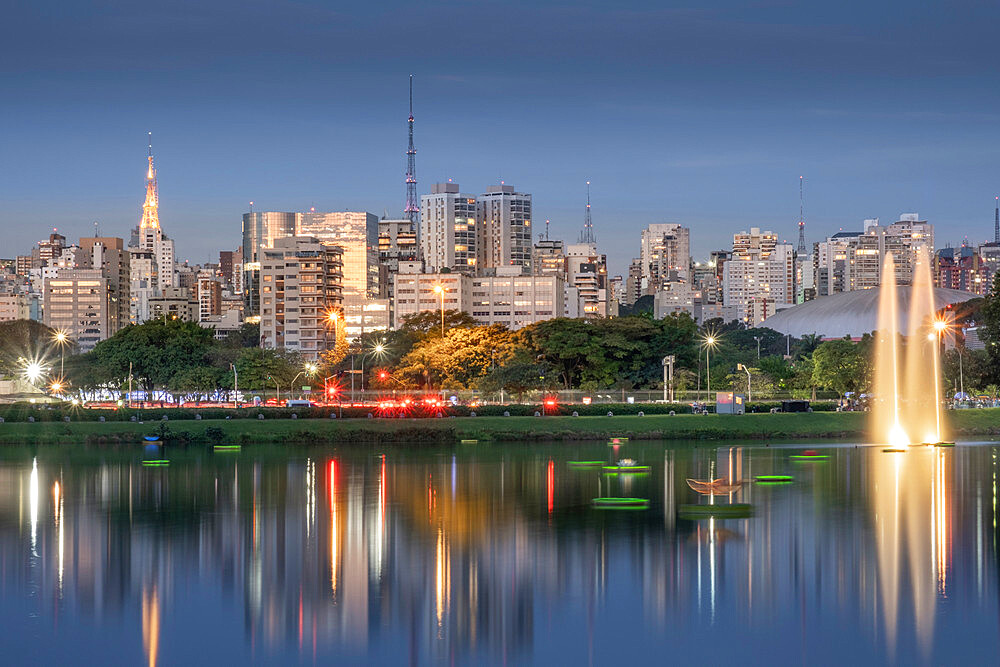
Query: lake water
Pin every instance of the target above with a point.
(494, 554)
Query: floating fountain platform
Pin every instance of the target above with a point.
(585, 464)
(626, 469)
(227, 448)
(893, 450)
(774, 479)
(158, 463)
(620, 503)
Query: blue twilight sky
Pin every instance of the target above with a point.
(702, 112)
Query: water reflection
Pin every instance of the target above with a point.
(495, 555)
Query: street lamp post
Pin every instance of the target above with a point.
(61, 338)
(758, 339)
(440, 290)
(277, 389)
(710, 341)
(741, 367)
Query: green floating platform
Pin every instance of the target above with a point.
(944, 444)
(620, 503)
(227, 448)
(809, 457)
(626, 469)
(468, 442)
(732, 511)
(585, 464)
(893, 450)
(159, 463)
(774, 478)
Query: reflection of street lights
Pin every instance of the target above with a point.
(440, 290)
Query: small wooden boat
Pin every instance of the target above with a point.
(715, 487)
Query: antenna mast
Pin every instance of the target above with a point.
(802, 224)
(996, 223)
(412, 210)
(587, 235)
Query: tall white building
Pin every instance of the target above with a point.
(759, 278)
(505, 228)
(665, 254)
(449, 229)
(516, 300)
(586, 281)
(301, 283)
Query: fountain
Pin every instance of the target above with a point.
(906, 409)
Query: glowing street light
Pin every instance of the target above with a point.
(61, 338)
(33, 371)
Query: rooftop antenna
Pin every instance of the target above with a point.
(802, 224)
(251, 207)
(996, 222)
(97, 229)
(587, 235)
(546, 230)
(412, 210)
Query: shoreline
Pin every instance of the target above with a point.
(452, 430)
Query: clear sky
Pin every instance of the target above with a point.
(705, 113)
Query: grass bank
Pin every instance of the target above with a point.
(815, 425)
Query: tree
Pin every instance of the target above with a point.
(428, 322)
(520, 374)
(990, 315)
(840, 365)
(260, 368)
(154, 351)
(248, 335)
(27, 340)
(460, 359)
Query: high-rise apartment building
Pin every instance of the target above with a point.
(261, 230)
(209, 293)
(665, 253)
(78, 302)
(854, 260)
(505, 228)
(449, 229)
(356, 234)
(301, 284)
(549, 258)
(586, 281)
(759, 278)
(112, 258)
(633, 284)
(961, 268)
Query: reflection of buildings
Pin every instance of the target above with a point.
(433, 557)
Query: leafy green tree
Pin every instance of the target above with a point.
(259, 368)
(460, 359)
(28, 340)
(841, 365)
(521, 373)
(428, 322)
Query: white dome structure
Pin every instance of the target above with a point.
(851, 313)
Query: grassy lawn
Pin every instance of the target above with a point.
(342, 431)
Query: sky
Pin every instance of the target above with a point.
(704, 113)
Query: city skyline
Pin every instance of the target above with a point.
(716, 143)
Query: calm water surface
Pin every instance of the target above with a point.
(493, 554)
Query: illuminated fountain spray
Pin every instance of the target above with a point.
(907, 397)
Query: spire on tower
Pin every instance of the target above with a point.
(150, 208)
(996, 222)
(412, 210)
(587, 235)
(802, 224)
